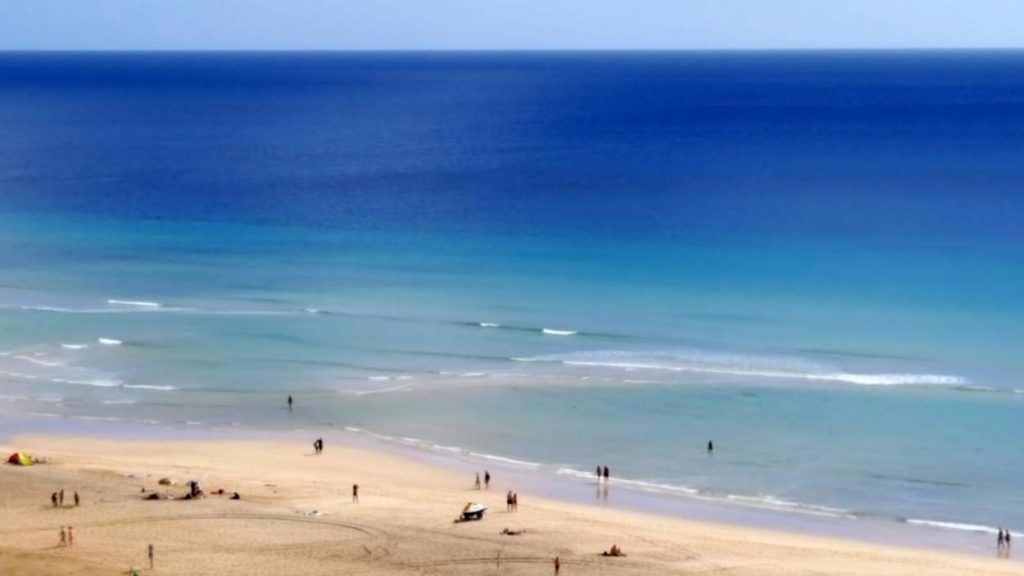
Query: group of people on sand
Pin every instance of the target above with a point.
(1003, 541)
(67, 536)
(602, 473)
(57, 499)
(487, 480)
(511, 501)
(613, 551)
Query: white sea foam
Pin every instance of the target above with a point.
(883, 379)
(768, 502)
(98, 382)
(443, 448)
(47, 309)
(490, 325)
(159, 387)
(505, 460)
(109, 341)
(45, 414)
(953, 526)
(119, 402)
(389, 389)
(11, 398)
(379, 378)
(37, 361)
(554, 332)
(136, 303)
(746, 366)
(74, 346)
(98, 418)
(353, 429)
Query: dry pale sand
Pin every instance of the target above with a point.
(403, 524)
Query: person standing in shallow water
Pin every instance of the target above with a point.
(607, 475)
(487, 480)
(599, 474)
(711, 447)
(289, 402)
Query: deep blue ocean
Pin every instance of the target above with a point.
(542, 261)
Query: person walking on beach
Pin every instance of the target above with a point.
(53, 498)
(71, 537)
(558, 565)
(599, 474)
(487, 480)
(515, 501)
(60, 497)
(355, 493)
(77, 501)
(149, 552)
(606, 474)
(63, 537)
(1000, 540)
(289, 402)
(476, 484)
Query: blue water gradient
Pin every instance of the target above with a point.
(563, 259)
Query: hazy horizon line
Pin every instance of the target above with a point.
(503, 50)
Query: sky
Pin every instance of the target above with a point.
(508, 24)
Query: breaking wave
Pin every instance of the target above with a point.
(746, 366)
(136, 303)
(960, 526)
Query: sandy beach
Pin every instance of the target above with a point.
(296, 516)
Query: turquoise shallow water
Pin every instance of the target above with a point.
(391, 336)
(539, 263)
